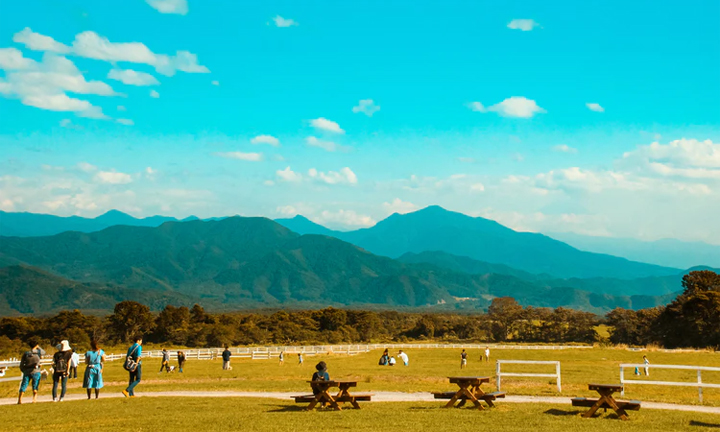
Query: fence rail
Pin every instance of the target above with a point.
(699, 383)
(499, 373)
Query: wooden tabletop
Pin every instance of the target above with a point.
(613, 387)
(481, 379)
(333, 383)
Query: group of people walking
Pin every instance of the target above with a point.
(387, 360)
(64, 366)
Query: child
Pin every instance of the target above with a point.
(463, 359)
(300, 359)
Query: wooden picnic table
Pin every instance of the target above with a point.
(324, 397)
(606, 401)
(469, 389)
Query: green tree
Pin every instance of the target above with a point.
(173, 325)
(130, 318)
(504, 312)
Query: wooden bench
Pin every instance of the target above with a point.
(356, 397)
(633, 405)
(486, 396)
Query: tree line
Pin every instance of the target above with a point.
(692, 319)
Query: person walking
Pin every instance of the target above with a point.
(61, 369)
(281, 358)
(463, 359)
(226, 358)
(74, 363)
(30, 368)
(300, 359)
(181, 360)
(95, 361)
(403, 357)
(487, 354)
(647, 365)
(134, 353)
(165, 361)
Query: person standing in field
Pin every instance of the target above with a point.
(181, 360)
(463, 359)
(647, 365)
(134, 353)
(165, 361)
(487, 354)
(94, 360)
(74, 363)
(300, 359)
(30, 368)
(281, 358)
(61, 369)
(226, 358)
(403, 357)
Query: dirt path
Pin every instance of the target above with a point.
(378, 397)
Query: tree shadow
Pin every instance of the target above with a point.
(557, 412)
(703, 424)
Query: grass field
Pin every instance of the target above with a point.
(232, 414)
(427, 372)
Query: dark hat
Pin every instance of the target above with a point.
(321, 366)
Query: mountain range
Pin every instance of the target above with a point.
(256, 262)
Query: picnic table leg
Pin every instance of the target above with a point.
(314, 402)
(593, 408)
(345, 393)
(471, 396)
(329, 399)
(620, 411)
(479, 394)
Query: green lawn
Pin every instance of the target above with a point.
(427, 372)
(233, 414)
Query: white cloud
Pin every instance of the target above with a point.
(344, 176)
(179, 7)
(683, 158)
(89, 44)
(522, 24)
(251, 157)
(86, 167)
(126, 122)
(215, 82)
(595, 107)
(348, 218)
(325, 145)
(399, 206)
(326, 125)
(265, 139)
(284, 22)
(287, 211)
(367, 107)
(131, 77)
(113, 177)
(288, 175)
(154, 94)
(515, 106)
(564, 148)
(65, 123)
(39, 42)
(44, 84)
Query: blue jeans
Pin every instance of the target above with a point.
(59, 377)
(26, 378)
(134, 379)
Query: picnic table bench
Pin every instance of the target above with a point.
(469, 390)
(324, 397)
(606, 401)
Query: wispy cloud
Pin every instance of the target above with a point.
(595, 107)
(265, 139)
(326, 125)
(522, 24)
(325, 145)
(251, 157)
(179, 7)
(131, 77)
(564, 148)
(367, 107)
(516, 106)
(284, 22)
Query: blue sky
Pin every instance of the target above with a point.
(540, 115)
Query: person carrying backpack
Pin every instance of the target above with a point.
(61, 369)
(133, 365)
(320, 375)
(30, 368)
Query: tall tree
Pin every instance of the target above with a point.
(504, 312)
(130, 318)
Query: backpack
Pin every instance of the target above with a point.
(60, 364)
(29, 362)
(130, 364)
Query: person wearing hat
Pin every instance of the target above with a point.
(320, 375)
(61, 369)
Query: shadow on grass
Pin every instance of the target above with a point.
(286, 408)
(703, 424)
(557, 412)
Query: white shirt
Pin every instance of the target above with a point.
(487, 352)
(75, 360)
(392, 360)
(404, 357)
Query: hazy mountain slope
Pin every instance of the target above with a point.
(436, 229)
(32, 224)
(302, 225)
(666, 252)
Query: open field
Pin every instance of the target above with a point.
(427, 372)
(228, 414)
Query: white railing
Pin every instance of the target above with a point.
(500, 374)
(699, 383)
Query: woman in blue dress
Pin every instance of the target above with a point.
(94, 359)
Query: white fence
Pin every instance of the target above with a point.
(500, 374)
(699, 383)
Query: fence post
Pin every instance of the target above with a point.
(622, 380)
(497, 373)
(557, 371)
(700, 395)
